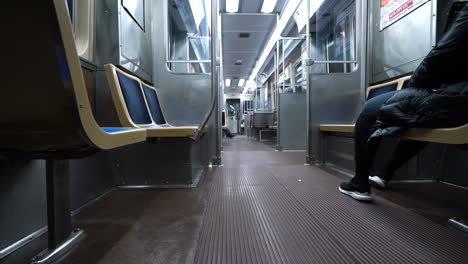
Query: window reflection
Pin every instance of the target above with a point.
(189, 36)
(336, 36)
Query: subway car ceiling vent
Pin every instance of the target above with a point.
(244, 35)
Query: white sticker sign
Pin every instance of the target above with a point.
(393, 10)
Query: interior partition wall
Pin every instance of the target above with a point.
(337, 80)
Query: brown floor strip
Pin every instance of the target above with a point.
(266, 207)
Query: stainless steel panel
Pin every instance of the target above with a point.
(107, 32)
(184, 98)
(293, 116)
(90, 178)
(337, 98)
(340, 152)
(22, 199)
(136, 9)
(135, 42)
(399, 48)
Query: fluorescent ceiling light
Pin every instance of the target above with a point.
(241, 82)
(228, 82)
(268, 6)
(286, 16)
(232, 6)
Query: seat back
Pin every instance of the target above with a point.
(44, 103)
(153, 104)
(377, 90)
(129, 101)
(262, 119)
(394, 85)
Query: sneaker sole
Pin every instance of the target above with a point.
(378, 182)
(357, 196)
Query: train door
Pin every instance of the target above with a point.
(337, 78)
(234, 115)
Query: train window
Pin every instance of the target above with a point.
(82, 15)
(189, 42)
(136, 9)
(336, 37)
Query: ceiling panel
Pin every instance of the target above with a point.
(232, 42)
(247, 58)
(247, 23)
(236, 72)
(251, 6)
(251, 21)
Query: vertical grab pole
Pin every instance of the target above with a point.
(307, 84)
(220, 88)
(278, 141)
(214, 72)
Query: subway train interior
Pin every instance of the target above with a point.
(218, 132)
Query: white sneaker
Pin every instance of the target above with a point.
(378, 182)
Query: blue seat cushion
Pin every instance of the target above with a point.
(381, 90)
(116, 129)
(134, 99)
(153, 103)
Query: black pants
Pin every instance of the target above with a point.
(364, 153)
(227, 132)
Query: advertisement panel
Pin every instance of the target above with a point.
(393, 10)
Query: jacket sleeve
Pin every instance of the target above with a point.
(446, 63)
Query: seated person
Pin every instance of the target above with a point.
(438, 97)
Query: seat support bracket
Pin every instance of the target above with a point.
(60, 234)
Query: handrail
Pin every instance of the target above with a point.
(332, 61)
(188, 61)
(214, 65)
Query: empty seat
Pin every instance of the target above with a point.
(137, 105)
(46, 111)
(262, 119)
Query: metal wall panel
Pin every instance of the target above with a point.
(90, 178)
(135, 42)
(184, 98)
(293, 125)
(22, 199)
(23, 208)
(400, 48)
(121, 41)
(336, 98)
(107, 32)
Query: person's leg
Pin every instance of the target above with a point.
(403, 152)
(359, 187)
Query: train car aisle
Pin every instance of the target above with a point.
(265, 207)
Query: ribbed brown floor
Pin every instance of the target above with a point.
(267, 207)
(262, 206)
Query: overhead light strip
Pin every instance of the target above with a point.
(232, 6)
(228, 82)
(268, 6)
(288, 13)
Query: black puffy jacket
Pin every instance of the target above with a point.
(438, 96)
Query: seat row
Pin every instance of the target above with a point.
(455, 135)
(138, 105)
(261, 122)
(47, 113)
